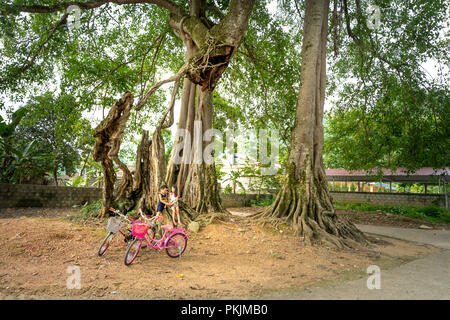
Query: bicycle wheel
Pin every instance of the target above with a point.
(105, 244)
(176, 244)
(132, 251)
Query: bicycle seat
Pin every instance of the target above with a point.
(167, 227)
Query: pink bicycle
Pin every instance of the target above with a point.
(116, 225)
(174, 240)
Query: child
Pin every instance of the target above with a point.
(163, 200)
(173, 197)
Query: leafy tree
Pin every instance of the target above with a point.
(6, 139)
(23, 165)
(388, 110)
(57, 127)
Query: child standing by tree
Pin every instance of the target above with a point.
(173, 198)
(163, 200)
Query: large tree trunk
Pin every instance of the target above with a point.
(109, 134)
(199, 186)
(304, 200)
(208, 52)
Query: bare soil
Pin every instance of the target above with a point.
(233, 258)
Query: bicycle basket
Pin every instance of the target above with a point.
(114, 225)
(139, 229)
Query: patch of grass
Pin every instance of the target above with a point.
(100, 232)
(261, 202)
(88, 211)
(431, 214)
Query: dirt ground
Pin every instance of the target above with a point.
(235, 258)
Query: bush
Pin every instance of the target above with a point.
(91, 210)
(431, 211)
(261, 202)
(228, 190)
(431, 214)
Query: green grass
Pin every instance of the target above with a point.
(261, 202)
(431, 214)
(87, 211)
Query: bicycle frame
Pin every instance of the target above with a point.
(159, 244)
(124, 217)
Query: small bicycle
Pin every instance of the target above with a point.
(116, 225)
(174, 240)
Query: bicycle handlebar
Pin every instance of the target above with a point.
(148, 220)
(120, 214)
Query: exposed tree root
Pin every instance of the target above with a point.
(308, 210)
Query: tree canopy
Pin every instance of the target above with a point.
(386, 110)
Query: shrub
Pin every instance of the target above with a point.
(261, 202)
(91, 210)
(432, 214)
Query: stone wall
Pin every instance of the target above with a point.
(383, 198)
(240, 200)
(28, 195)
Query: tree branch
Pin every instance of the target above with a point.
(360, 44)
(163, 125)
(88, 5)
(152, 90)
(40, 48)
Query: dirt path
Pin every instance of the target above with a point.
(437, 238)
(236, 258)
(424, 278)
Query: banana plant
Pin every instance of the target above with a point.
(21, 163)
(7, 130)
(6, 134)
(234, 176)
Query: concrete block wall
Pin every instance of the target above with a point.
(28, 195)
(387, 198)
(240, 200)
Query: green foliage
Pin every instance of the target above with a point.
(388, 111)
(431, 214)
(219, 173)
(261, 182)
(262, 79)
(91, 210)
(88, 211)
(18, 165)
(55, 123)
(228, 190)
(7, 130)
(76, 181)
(262, 202)
(233, 176)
